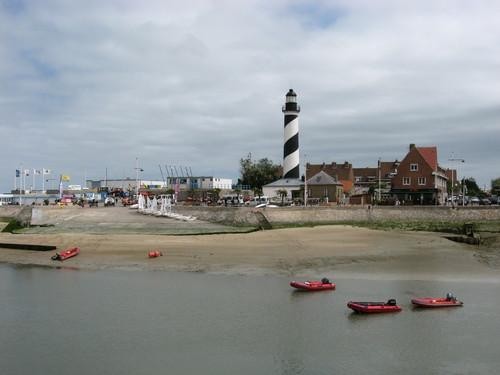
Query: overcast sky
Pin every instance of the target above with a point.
(89, 85)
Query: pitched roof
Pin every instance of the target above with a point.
(365, 172)
(286, 182)
(388, 167)
(430, 156)
(343, 171)
(321, 178)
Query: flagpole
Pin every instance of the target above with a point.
(60, 186)
(23, 184)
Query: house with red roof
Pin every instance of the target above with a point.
(341, 172)
(419, 178)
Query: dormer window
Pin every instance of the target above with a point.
(414, 167)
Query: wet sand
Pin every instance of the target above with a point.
(342, 251)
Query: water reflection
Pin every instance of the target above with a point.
(110, 322)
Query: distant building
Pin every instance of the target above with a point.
(176, 183)
(292, 186)
(342, 172)
(324, 188)
(372, 183)
(202, 182)
(125, 184)
(419, 178)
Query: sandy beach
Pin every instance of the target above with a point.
(342, 251)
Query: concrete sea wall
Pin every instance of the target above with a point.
(263, 217)
(319, 215)
(20, 213)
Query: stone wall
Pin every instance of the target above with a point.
(20, 213)
(246, 216)
(301, 215)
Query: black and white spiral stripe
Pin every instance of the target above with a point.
(291, 143)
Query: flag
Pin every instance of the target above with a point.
(18, 173)
(65, 177)
(46, 171)
(26, 172)
(37, 171)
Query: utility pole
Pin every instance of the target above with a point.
(379, 177)
(453, 180)
(137, 170)
(305, 181)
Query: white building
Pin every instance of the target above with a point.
(202, 182)
(292, 186)
(182, 183)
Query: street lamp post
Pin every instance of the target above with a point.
(459, 160)
(379, 178)
(305, 182)
(137, 170)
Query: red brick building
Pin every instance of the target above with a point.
(419, 178)
(342, 172)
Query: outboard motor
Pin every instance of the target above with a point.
(391, 302)
(324, 280)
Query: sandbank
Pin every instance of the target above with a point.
(342, 251)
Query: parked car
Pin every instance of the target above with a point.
(474, 201)
(484, 202)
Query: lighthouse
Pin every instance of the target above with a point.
(291, 139)
(290, 182)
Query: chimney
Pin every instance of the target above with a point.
(412, 146)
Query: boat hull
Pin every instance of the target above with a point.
(154, 254)
(373, 307)
(312, 286)
(66, 254)
(429, 302)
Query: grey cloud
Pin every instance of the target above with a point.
(93, 85)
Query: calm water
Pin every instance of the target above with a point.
(132, 322)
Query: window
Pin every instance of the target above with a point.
(421, 181)
(406, 180)
(413, 167)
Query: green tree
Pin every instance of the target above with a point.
(257, 192)
(258, 173)
(283, 193)
(472, 189)
(495, 186)
(216, 194)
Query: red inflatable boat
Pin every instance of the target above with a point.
(436, 302)
(155, 254)
(314, 285)
(374, 307)
(68, 253)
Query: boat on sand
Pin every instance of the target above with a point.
(68, 253)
